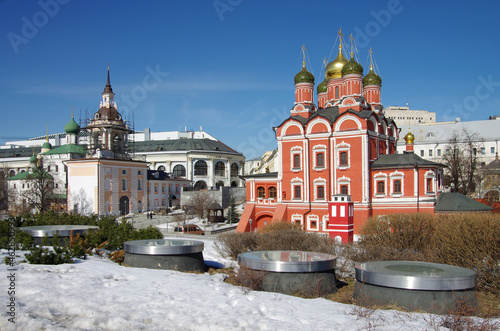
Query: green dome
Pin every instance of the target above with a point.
(352, 67)
(323, 87)
(372, 79)
(47, 145)
(304, 76)
(72, 127)
(33, 159)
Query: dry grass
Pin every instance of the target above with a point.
(275, 236)
(466, 240)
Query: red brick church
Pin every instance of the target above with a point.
(338, 163)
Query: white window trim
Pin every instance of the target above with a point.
(430, 175)
(378, 178)
(344, 181)
(294, 151)
(395, 176)
(319, 182)
(343, 147)
(319, 149)
(301, 192)
(310, 219)
(298, 217)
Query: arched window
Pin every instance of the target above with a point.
(336, 92)
(296, 161)
(380, 187)
(272, 192)
(321, 192)
(179, 170)
(12, 173)
(429, 185)
(200, 185)
(397, 186)
(234, 170)
(320, 160)
(161, 168)
(219, 184)
(200, 168)
(344, 189)
(118, 144)
(296, 192)
(261, 192)
(220, 169)
(343, 158)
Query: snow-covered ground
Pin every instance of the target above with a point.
(97, 294)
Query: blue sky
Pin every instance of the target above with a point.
(228, 65)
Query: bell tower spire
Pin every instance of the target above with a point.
(340, 40)
(108, 95)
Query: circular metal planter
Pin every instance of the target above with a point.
(169, 254)
(63, 231)
(417, 286)
(290, 272)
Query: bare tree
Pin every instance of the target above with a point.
(34, 190)
(4, 192)
(200, 201)
(461, 159)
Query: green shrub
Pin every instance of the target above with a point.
(52, 218)
(112, 232)
(150, 232)
(116, 233)
(40, 255)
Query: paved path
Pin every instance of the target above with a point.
(140, 221)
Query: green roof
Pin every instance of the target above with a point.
(29, 175)
(403, 160)
(304, 76)
(372, 79)
(352, 67)
(323, 86)
(454, 201)
(72, 127)
(67, 149)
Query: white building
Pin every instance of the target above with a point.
(405, 116)
(268, 162)
(196, 157)
(164, 189)
(432, 139)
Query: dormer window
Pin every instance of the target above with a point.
(96, 116)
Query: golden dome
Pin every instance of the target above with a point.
(334, 68)
(409, 138)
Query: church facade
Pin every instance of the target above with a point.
(339, 153)
(108, 180)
